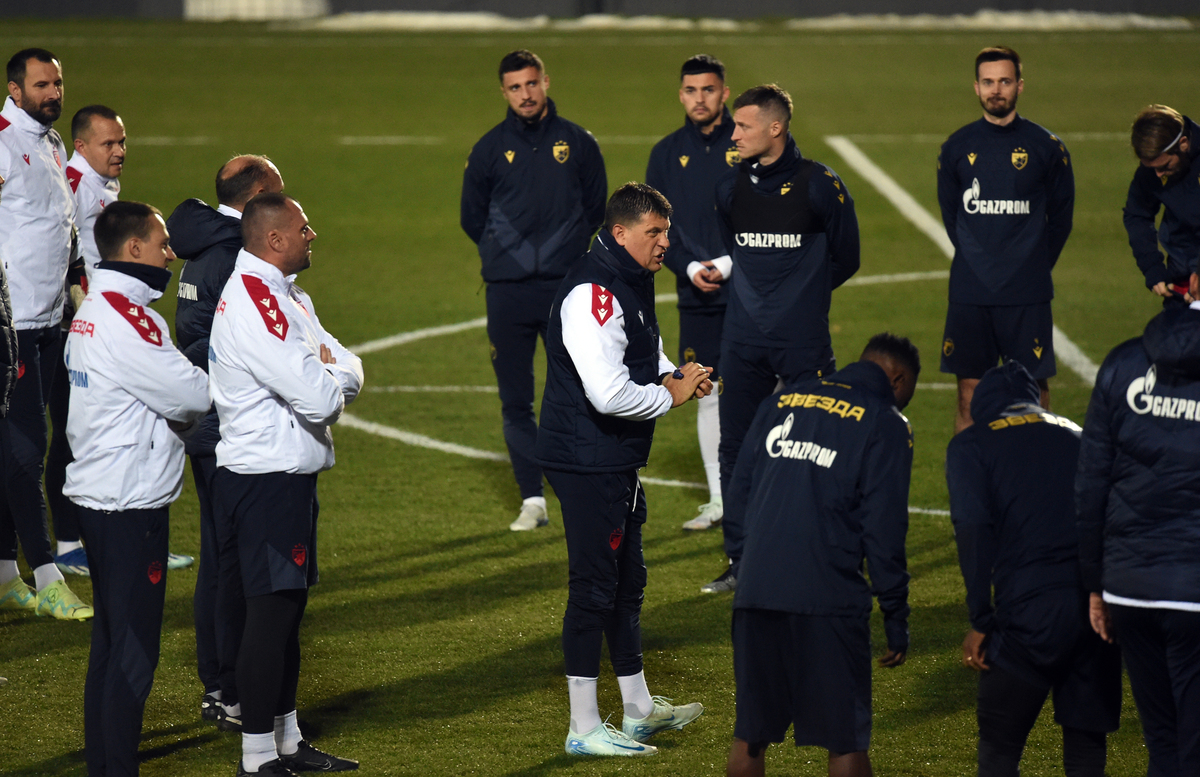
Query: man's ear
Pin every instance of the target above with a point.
(620, 234)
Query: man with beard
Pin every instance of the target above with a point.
(686, 167)
(533, 194)
(794, 239)
(1007, 194)
(37, 244)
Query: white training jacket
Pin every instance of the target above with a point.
(275, 398)
(92, 192)
(127, 380)
(37, 211)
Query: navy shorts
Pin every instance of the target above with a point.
(274, 516)
(978, 337)
(700, 339)
(813, 671)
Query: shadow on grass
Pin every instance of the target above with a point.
(184, 737)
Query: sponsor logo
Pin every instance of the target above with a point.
(221, 306)
(732, 156)
(1020, 158)
(614, 539)
(85, 328)
(778, 445)
(971, 158)
(509, 156)
(155, 572)
(830, 405)
(972, 204)
(683, 160)
(562, 152)
(602, 307)
(188, 291)
(1035, 417)
(1143, 401)
(768, 240)
(299, 553)
(77, 378)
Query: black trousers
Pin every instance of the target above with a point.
(1162, 655)
(62, 510)
(127, 556)
(602, 519)
(517, 313)
(23, 449)
(1008, 706)
(219, 611)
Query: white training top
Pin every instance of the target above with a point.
(92, 192)
(275, 398)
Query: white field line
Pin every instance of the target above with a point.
(164, 140)
(389, 140)
(1064, 349)
(900, 277)
(432, 389)
(418, 440)
(1070, 137)
(419, 334)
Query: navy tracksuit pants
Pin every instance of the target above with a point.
(219, 611)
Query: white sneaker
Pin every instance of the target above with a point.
(710, 515)
(605, 740)
(665, 716)
(531, 517)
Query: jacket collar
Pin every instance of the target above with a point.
(112, 276)
(725, 130)
(532, 131)
(1012, 126)
(614, 255)
(768, 178)
(17, 117)
(248, 262)
(866, 375)
(81, 164)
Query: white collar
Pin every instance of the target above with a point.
(133, 289)
(17, 116)
(231, 212)
(80, 163)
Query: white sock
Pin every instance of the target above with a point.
(540, 501)
(234, 711)
(67, 547)
(216, 694)
(635, 696)
(257, 749)
(287, 734)
(8, 571)
(45, 575)
(708, 429)
(585, 710)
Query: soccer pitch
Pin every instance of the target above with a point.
(432, 643)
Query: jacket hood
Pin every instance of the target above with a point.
(866, 375)
(1000, 388)
(1172, 341)
(196, 227)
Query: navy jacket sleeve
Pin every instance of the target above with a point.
(656, 177)
(1093, 481)
(724, 208)
(476, 194)
(975, 530)
(1060, 202)
(887, 468)
(594, 183)
(1141, 209)
(830, 198)
(949, 194)
(740, 485)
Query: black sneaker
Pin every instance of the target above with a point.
(726, 582)
(209, 707)
(309, 759)
(227, 722)
(273, 768)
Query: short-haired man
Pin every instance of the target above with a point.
(131, 390)
(36, 247)
(821, 486)
(279, 381)
(686, 167)
(98, 135)
(1167, 144)
(607, 380)
(793, 236)
(1137, 497)
(208, 240)
(1007, 195)
(533, 194)
(1011, 476)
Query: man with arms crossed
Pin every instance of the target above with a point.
(607, 380)
(1007, 195)
(686, 167)
(279, 381)
(131, 390)
(533, 194)
(821, 486)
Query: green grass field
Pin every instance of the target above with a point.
(431, 645)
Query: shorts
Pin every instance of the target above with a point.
(274, 516)
(978, 337)
(700, 339)
(813, 671)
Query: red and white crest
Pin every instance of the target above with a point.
(602, 304)
(299, 553)
(155, 572)
(137, 317)
(267, 306)
(614, 539)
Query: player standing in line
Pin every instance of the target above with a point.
(685, 167)
(794, 239)
(1007, 195)
(279, 380)
(37, 244)
(131, 390)
(607, 380)
(821, 486)
(1011, 476)
(533, 195)
(1168, 146)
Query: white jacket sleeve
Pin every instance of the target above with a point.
(348, 369)
(597, 350)
(158, 375)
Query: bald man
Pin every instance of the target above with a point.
(209, 240)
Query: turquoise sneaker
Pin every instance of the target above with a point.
(665, 717)
(605, 740)
(15, 595)
(58, 601)
(178, 561)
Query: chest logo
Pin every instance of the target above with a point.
(732, 157)
(947, 347)
(57, 161)
(787, 187)
(683, 160)
(25, 157)
(562, 152)
(1020, 158)
(602, 307)
(971, 157)
(509, 156)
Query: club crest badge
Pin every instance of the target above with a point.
(947, 347)
(689, 355)
(1020, 158)
(562, 152)
(732, 157)
(299, 553)
(155, 572)
(614, 539)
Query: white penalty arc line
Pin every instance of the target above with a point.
(912, 210)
